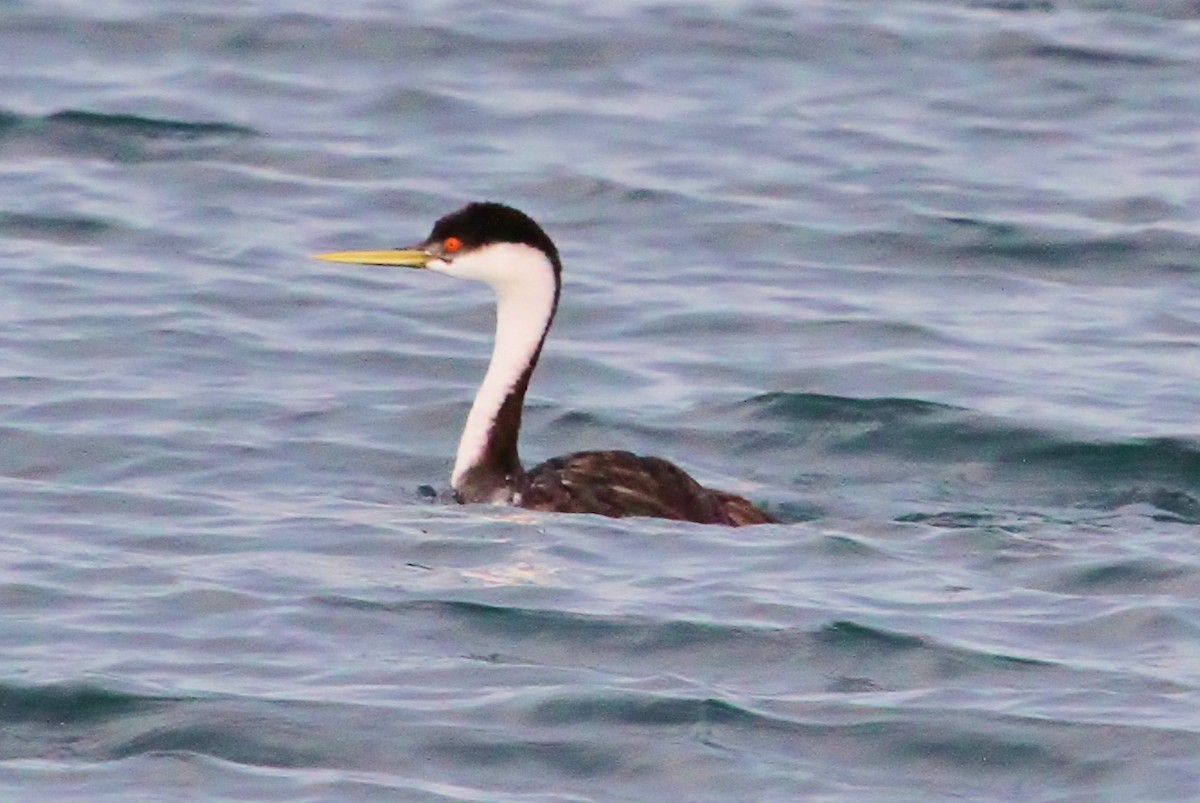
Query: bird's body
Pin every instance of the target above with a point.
(617, 483)
(506, 249)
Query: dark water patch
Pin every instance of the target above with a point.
(954, 519)
(1171, 505)
(976, 241)
(1013, 44)
(120, 138)
(534, 637)
(872, 333)
(1168, 469)
(641, 710)
(593, 198)
(1016, 132)
(1134, 625)
(978, 244)
(987, 746)
(815, 657)
(133, 125)
(66, 705)
(910, 428)
(569, 759)
(785, 36)
(1099, 57)
(1133, 210)
(240, 740)
(793, 511)
(54, 228)
(879, 656)
(1022, 6)
(845, 546)
(1000, 749)
(9, 121)
(618, 737)
(1133, 576)
(39, 455)
(563, 627)
(28, 598)
(1032, 754)
(1160, 9)
(996, 542)
(1173, 462)
(852, 636)
(996, 532)
(134, 777)
(839, 409)
(416, 101)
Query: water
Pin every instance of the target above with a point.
(920, 277)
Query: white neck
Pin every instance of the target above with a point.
(523, 280)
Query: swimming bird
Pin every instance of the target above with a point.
(505, 248)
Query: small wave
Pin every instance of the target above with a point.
(68, 704)
(988, 239)
(147, 127)
(1161, 472)
(1088, 244)
(551, 625)
(822, 407)
(1178, 506)
(953, 519)
(1023, 6)
(642, 709)
(856, 638)
(53, 228)
(1136, 576)
(115, 137)
(1008, 45)
(9, 120)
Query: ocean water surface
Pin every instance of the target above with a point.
(922, 278)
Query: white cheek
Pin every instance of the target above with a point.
(499, 264)
(467, 266)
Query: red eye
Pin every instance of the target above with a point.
(451, 244)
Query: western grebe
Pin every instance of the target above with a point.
(505, 248)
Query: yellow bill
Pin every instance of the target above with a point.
(402, 257)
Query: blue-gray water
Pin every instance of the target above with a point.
(921, 277)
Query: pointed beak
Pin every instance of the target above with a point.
(401, 257)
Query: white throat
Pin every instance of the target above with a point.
(523, 280)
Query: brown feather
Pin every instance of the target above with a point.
(618, 484)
